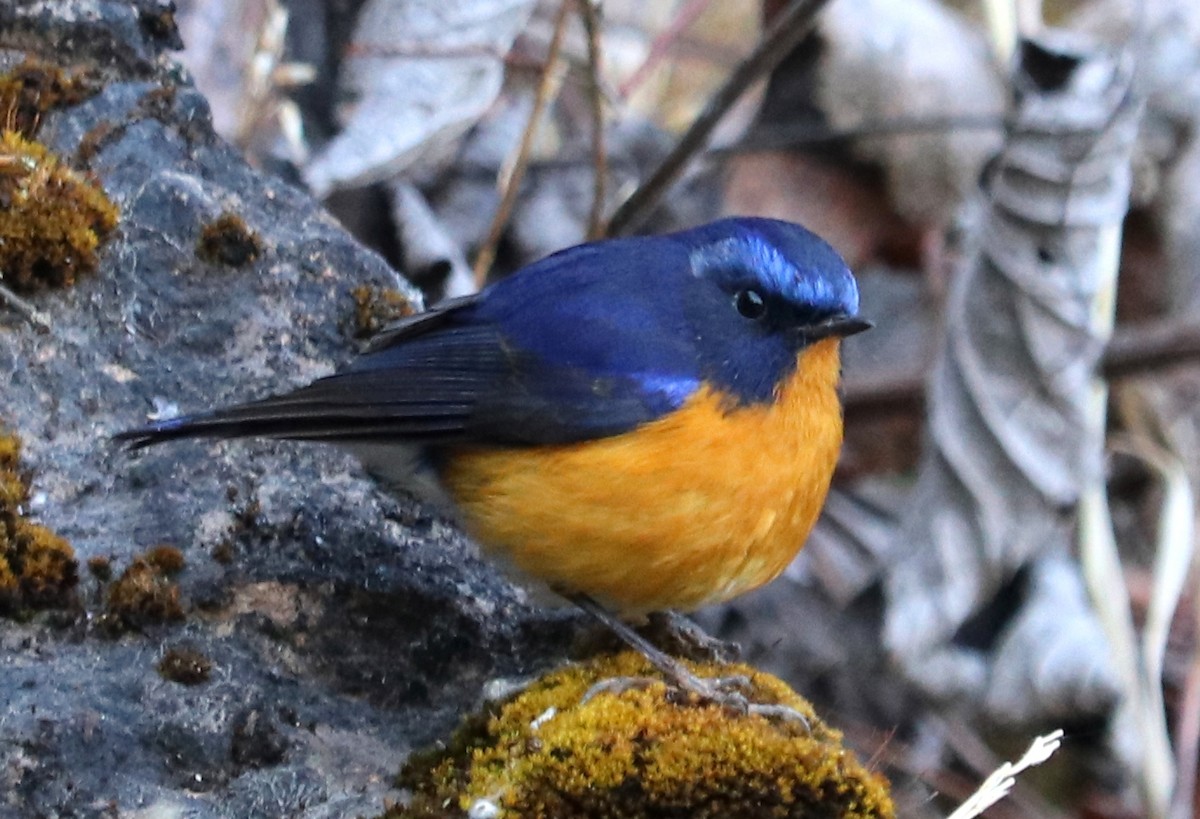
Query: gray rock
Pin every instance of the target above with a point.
(348, 627)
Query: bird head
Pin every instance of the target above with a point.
(764, 290)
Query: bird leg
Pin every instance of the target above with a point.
(679, 635)
(724, 691)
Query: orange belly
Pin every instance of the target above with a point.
(694, 508)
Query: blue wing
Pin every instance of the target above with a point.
(586, 343)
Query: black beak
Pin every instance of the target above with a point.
(840, 326)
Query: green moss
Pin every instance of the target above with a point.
(228, 241)
(37, 567)
(641, 754)
(52, 219)
(376, 308)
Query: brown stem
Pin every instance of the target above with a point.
(788, 29)
(1133, 350)
(591, 23)
(546, 88)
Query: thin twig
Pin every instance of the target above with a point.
(789, 28)
(1187, 732)
(591, 24)
(799, 135)
(662, 44)
(24, 309)
(547, 87)
(780, 138)
(1174, 556)
(1132, 351)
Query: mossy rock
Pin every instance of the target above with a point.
(37, 567)
(641, 752)
(53, 220)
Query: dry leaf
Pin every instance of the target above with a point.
(1013, 434)
(884, 62)
(423, 71)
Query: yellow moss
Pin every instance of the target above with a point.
(228, 240)
(375, 308)
(9, 586)
(639, 754)
(37, 567)
(166, 558)
(101, 567)
(35, 87)
(52, 219)
(49, 570)
(143, 595)
(10, 451)
(185, 665)
(13, 489)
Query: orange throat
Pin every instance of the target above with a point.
(694, 508)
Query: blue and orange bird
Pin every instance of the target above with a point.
(644, 424)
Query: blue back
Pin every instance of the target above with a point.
(593, 341)
(659, 309)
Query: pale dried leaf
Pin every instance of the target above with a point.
(1166, 34)
(220, 37)
(1180, 217)
(422, 71)
(1054, 648)
(426, 245)
(1013, 435)
(881, 65)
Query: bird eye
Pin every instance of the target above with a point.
(750, 304)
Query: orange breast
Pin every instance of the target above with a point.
(694, 508)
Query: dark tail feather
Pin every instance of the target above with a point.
(297, 416)
(235, 422)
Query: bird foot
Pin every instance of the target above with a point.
(732, 693)
(729, 693)
(680, 635)
(617, 686)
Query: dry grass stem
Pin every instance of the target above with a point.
(548, 86)
(1001, 781)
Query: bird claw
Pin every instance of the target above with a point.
(729, 693)
(781, 713)
(617, 686)
(722, 691)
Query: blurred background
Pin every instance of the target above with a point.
(1009, 546)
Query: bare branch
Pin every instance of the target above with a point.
(547, 88)
(788, 29)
